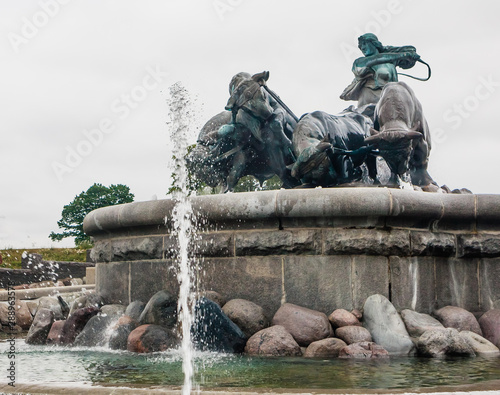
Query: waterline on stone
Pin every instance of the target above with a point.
(414, 276)
(183, 226)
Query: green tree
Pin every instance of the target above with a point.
(193, 184)
(95, 197)
(250, 184)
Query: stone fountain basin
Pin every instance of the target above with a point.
(323, 248)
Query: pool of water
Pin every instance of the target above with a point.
(51, 364)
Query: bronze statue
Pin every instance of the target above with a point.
(331, 148)
(402, 135)
(377, 68)
(252, 137)
(259, 135)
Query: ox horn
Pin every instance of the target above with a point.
(374, 138)
(261, 78)
(413, 135)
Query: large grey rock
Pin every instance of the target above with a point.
(161, 310)
(418, 323)
(353, 334)
(479, 344)
(96, 331)
(386, 326)
(340, 317)
(33, 306)
(490, 326)
(326, 348)
(305, 325)
(135, 309)
(275, 341)
(438, 343)
(40, 328)
(212, 330)
(458, 318)
(363, 350)
(247, 315)
(53, 304)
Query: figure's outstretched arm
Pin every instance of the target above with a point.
(361, 65)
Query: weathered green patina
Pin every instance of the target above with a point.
(376, 68)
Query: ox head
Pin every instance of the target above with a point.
(246, 93)
(395, 146)
(314, 164)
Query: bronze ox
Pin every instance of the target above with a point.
(401, 134)
(253, 137)
(330, 148)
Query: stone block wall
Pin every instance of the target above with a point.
(322, 249)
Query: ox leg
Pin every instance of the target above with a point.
(418, 165)
(236, 172)
(393, 180)
(344, 169)
(371, 164)
(279, 149)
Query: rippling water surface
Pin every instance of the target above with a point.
(50, 364)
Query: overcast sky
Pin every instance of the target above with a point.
(84, 85)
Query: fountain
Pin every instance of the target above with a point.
(183, 228)
(319, 247)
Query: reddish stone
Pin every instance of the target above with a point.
(458, 318)
(75, 324)
(326, 348)
(247, 315)
(274, 341)
(151, 338)
(214, 297)
(305, 325)
(54, 335)
(341, 317)
(353, 334)
(23, 315)
(134, 343)
(356, 313)
(490, 326)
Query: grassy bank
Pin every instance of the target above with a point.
(12, 257)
